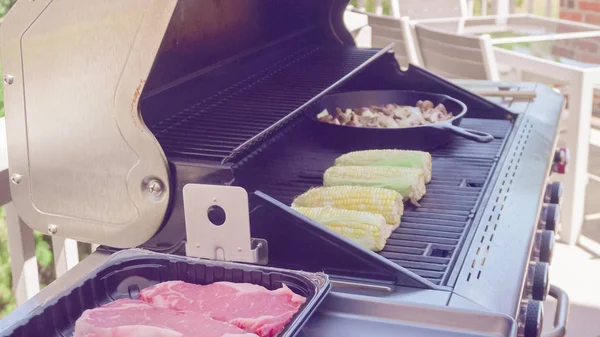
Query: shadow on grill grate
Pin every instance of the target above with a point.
(430, 237)
(214, 127)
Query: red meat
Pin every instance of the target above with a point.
(133, 318)
(248, 306)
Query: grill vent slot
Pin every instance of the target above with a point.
(490, 224)
(475, 184)
(439, 252)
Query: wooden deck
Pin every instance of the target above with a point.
(575, 270)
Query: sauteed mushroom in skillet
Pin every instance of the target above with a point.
(388, 116)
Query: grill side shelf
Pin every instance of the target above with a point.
(297, 242)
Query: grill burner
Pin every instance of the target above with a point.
(429, 237)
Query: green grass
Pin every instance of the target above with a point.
(7, 298)
(1, 97)
(370, 6)
(45, 259)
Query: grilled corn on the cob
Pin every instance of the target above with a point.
(358, 198)
(396, 158)
(409, 182)
(367, 229)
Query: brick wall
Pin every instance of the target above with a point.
(586, 51)
(583, 50)
(580, 10)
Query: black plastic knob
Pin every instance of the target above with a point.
(553, 193)
(560, 155)
(549, 217)
(541, 281)
(534, 319)
(547, 239)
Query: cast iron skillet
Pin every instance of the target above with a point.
(421, 137)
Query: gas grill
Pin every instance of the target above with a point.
(112, 110)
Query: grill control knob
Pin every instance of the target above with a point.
(544, 245)
(538, 280)
(549, 217)
(553, 193)
(532, 319)
(561, 159)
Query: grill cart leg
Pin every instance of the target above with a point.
(66, 255)
(21, 245)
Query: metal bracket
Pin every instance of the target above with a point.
(217, 224)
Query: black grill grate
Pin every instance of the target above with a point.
(214, 127)
(429, 237)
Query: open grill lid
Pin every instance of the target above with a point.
(84, 164)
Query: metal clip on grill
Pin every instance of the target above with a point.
(218, 226)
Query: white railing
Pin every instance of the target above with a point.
(497, 6)
(21, 243)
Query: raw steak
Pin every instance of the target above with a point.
(134, 318)
(248, 306)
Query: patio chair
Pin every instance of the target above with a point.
(386, 30)
(456, 56)
(357, 24)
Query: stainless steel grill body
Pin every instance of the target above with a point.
(110, 115)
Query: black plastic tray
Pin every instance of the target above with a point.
(127, 272)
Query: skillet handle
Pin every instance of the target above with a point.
(478, 136)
